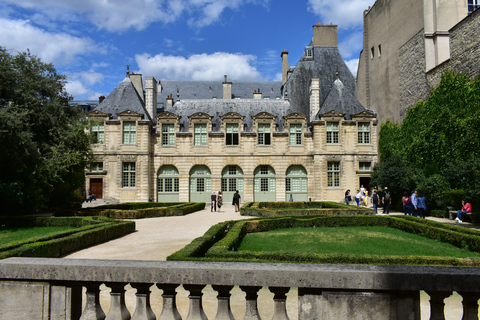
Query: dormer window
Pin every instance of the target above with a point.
(309, 52)
(264, 131)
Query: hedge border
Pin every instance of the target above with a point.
(269, 209)
(223, 249)
(142, 210)
(89, 231)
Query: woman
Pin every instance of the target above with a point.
(219, 200)
(358, 197)
(406, 204)
(466, 209)
(348, 197)
(421, 205)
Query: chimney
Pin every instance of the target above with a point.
(257, 94)
(170, 101)
(227, 89)
(151, 96)
(325, 36)
(314, 98)
(136, 79)
(100, 99)
(285, 66)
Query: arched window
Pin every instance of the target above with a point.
(264, 184)
(296, 183)
(200, 184)
(167, 184)
(232, 180)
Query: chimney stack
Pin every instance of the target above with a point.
(227, 89)
(100, 99)
(169, 101)
(325, 35)
(151, 96)
(285, 66)
(136, 79)
(257, 94)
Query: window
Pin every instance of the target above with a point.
(372, 52)
(264, 170)
(168, 134)
(332, 132)
(364, 132)
(129, 132)
(200, 184)
(473, 5)
(96, 167)
(264, 184)
(308, 52)
(333, 174)
(168, 185)
(364, 166)
(128, 175)
(379, 50)
(98, 134)
(264, 134)
(295, 134)
(200, 135)
(232, 134)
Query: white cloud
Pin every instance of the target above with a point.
(76, 88)
(199, 67)
(345, 13)
(58, 48)
(353, 66)
(122, 15)
(352, 44)
(91, 77)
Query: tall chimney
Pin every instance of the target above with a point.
(325, 36)
(257, 94)
(227, 89)
(100, 99)
(170, 101)
(151, 96)
(136, 79)
(285, 66)
(314, 98)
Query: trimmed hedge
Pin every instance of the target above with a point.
(439, 213)
(224, 248)
(89, 231)
(142, 210)
(269, 209)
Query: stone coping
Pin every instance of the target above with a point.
(322, 276)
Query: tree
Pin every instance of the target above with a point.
(44, 147)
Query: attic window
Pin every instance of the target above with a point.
(308, 52)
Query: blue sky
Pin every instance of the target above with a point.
(92, 41)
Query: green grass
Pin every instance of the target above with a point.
(350, 240)
(8, 234)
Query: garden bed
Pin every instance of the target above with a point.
(222, 240)
(301, 208)
(86, 232)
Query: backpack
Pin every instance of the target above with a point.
(387, 196)
(409, 201)
(375, 198)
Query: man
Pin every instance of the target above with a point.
(213, 198)
(466, 209)
(386, 200)
(374, 201)
(414, 201)
(236, 201)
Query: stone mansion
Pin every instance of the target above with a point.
(171, 141)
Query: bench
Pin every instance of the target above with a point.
(452, 214)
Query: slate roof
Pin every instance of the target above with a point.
(214, 89)
(342, 100)
(219, 107)
(124, 97)
(325, 64)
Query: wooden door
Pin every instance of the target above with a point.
(96, 186)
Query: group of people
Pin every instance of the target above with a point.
(217, 201)
(361, 198)
(415, 204)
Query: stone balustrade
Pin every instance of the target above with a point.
(38, 288)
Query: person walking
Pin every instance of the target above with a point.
(358, 197)
(219, 200)
(414, 200)
(406, 204)
(213, 199)
(236, 201)
(374, 201)
(421, 205)
(386, 201)
(348, 197)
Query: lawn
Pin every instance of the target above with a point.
(371, 240)
(10, 234)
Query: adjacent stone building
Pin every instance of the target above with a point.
(170, 141)
(407, 44)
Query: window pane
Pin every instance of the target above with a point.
(129, 132)
(200, 137)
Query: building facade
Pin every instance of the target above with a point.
(171, 141)
(407, 44)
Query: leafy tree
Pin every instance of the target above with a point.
(44, 147)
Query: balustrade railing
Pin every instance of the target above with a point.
(33, 288)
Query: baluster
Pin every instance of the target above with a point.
(169, 310)
(437, 305)
(118, 309)
(93, 310)
(470, 305)
(195, 311)
(251, 312)
(223, 312)
(280, 306)
(143, 311)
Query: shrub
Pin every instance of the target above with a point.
(453, 198)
